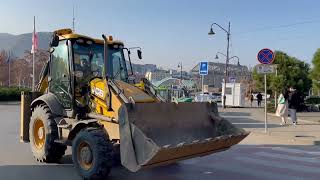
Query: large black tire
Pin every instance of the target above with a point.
(92, 154)
(116, 155)
(45, 150)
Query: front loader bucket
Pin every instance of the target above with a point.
(153, 134)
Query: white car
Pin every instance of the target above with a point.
(205, 97)
(217, 97)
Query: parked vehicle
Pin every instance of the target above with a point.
(217, 97)
(206, 97)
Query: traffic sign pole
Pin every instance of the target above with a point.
(202, 84)
(265, 104)
(203, 70)
(266, 58)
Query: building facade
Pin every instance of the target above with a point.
(216, 74)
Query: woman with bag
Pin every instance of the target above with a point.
(282, 109)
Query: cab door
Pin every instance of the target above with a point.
(60, 83)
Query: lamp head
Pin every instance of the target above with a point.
(217, 57)
(211, 32)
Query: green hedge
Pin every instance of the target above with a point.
(11, 94)
(313, 100)
(270, 107)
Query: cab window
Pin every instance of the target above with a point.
(59, 73)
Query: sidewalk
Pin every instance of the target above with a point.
(307, 132)
(9, 102)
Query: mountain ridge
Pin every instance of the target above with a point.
(20, 43)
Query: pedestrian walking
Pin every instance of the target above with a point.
(251, 99)
(293, 101)
(259, 99)
(282, 108)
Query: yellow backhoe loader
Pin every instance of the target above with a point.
(87, 99)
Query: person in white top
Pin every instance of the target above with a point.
(282, 109)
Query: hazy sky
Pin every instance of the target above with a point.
(170, 31)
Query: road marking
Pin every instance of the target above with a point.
(287, 157)
(281, 165)
(290, 150)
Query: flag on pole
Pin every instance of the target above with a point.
(33, 50)
(34, 42)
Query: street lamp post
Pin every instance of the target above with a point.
(238, 62)
(227, 57)
(180, 66)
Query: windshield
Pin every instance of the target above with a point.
(89, 60)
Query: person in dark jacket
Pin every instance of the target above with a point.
(293, 101)
(259, 99)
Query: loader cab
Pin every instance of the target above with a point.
(74, 61)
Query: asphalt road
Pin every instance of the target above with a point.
(245, 161)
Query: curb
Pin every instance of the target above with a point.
(301, 120)
(296, 140)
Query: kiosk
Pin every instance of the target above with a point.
(235, 94)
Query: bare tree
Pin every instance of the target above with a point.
(20, 72)
(3, 68)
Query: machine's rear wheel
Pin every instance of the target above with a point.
(42, 133)
(92, 154)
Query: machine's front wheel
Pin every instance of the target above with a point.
(92, 154)
(42, 132)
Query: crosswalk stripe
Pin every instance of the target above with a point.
(281, 165)
(290, 150)
(287, 157)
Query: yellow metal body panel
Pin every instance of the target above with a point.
(112, 129)
(22, 114)
(140, 85)
(68, 34)
(100, 92)
(43, 85)
(135, 92)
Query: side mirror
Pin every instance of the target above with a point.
(139, 52)
(49, 79)
(51, 50)
(54, 41)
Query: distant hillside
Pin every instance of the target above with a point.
(18, 44)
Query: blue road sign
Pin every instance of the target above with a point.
(265, 56)
(203, 68)
(232, 79)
